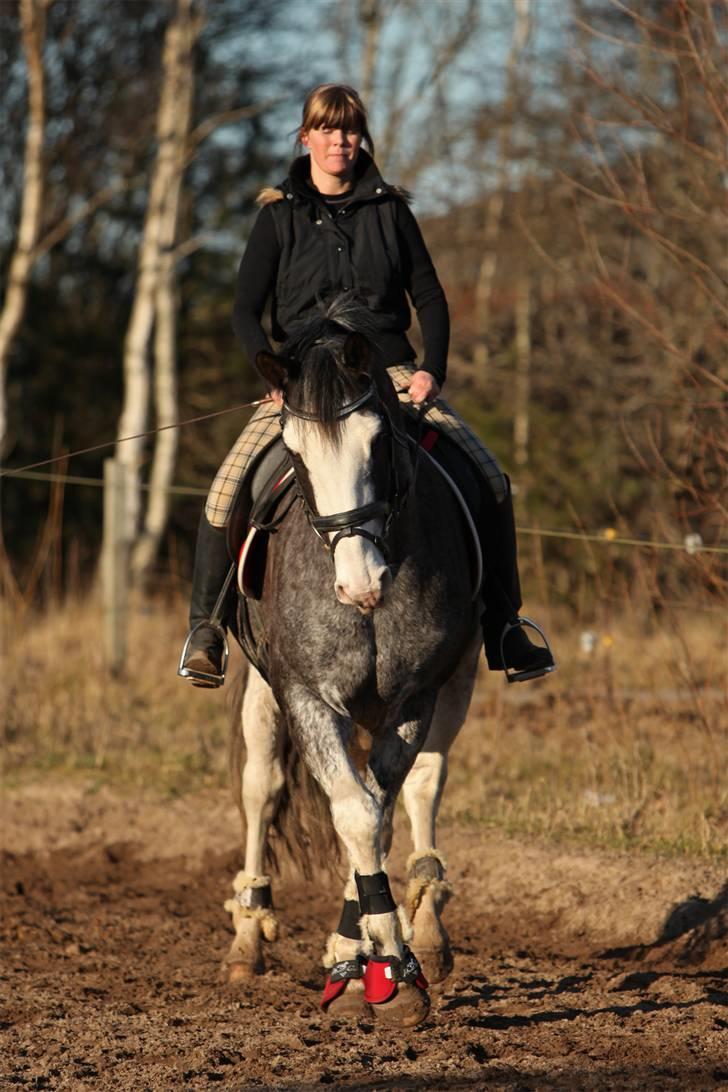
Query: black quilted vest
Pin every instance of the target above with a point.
(355, 249)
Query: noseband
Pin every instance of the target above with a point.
(348, 524)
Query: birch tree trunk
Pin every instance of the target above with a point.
(370, 17)
(32, 17)
(165, 302)
(166, 176)
(494, 208)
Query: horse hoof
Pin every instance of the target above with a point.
(409, 1006)
(350, 1005)
(437, 963)
(237, 972)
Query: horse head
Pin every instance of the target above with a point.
(342, 428)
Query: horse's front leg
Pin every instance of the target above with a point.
(396, 987)
(345, 943)
(322, 736)
(259, 788)
(427, 889)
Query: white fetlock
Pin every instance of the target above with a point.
(427, 895)
(339, 949)
(247, 904)
(417, 885)
(343, 995)
(254, 921)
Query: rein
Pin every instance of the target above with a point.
(348, 524)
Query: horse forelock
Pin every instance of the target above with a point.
(325, 382)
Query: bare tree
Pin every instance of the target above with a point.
(181, 79)
(661, 181)
(494, 205)
(155, 288)
(371, 15)
(33, 17)
(402, 54)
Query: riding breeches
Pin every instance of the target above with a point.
(264, 426)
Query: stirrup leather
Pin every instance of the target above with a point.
(513, 675)
(207, 677)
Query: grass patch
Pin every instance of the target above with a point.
(624, 747)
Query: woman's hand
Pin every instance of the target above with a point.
(276, 396)
(423, 387)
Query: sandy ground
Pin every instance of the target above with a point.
(573, 969)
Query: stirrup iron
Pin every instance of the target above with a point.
(204, 676)
(214, 622)
(513, 675)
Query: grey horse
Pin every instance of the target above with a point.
(370, 626)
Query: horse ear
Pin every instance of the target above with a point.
(277, 370)
(357, 353)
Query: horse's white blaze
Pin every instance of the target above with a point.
(341, 481)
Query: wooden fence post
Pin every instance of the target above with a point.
(115, 566)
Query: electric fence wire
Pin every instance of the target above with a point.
(608, 537)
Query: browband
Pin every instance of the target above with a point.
(343, 411)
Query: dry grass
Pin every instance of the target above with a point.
(65, 713)
(623, 746)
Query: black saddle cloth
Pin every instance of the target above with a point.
(459, 466)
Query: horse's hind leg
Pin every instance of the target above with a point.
(260, 787)
(427, 889)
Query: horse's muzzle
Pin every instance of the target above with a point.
(365, 599)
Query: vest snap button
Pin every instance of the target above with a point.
(319, 222)
(289, 196)
(378, 189)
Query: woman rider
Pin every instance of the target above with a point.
(335, 226)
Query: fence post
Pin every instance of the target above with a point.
(115, 566)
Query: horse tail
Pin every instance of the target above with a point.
(301, 832)
(301, 829)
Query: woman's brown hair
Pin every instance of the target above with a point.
(336, 106)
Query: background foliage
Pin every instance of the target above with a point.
(569, 172)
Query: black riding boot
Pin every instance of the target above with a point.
(203, 656)
(502, 594)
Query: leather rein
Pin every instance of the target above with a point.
(348, 524)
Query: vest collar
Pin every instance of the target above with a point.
(368, 182)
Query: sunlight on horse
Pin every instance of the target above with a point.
(381, 646)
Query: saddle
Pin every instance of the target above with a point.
(255, 515)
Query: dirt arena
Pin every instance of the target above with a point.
(573, 969)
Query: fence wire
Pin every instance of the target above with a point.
(606, 537)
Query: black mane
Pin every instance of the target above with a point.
(325, 383)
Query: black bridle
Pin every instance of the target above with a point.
(348, 524)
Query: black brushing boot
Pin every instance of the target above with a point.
(204, 656)
(507, 645)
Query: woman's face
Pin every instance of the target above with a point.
(333, 151)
